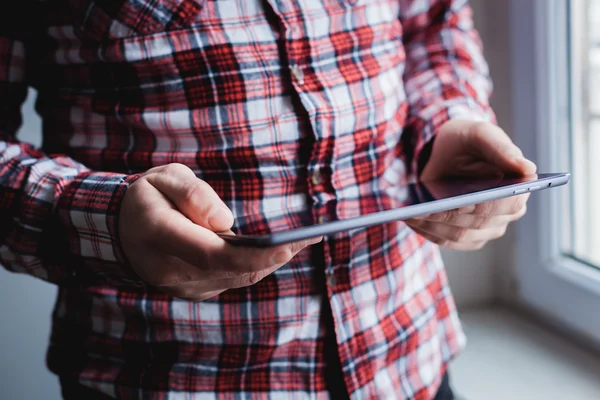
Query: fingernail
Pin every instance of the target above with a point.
(220, 218)
(530, 165)
(466, 209)
(525, 164)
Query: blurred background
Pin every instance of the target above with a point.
(530, 301)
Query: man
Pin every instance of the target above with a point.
(166, 121)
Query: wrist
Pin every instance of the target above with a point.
(88, 210)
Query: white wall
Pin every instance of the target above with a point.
(26, 303)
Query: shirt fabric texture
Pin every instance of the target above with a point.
(282, 107)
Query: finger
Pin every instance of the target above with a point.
(494, 145)
(248, 259)
(175, 235)
(471, 221)
(467, 246)
(457, 234)
(194, 289)
(507, 206)
(192, 196)
(171, 271)
(204, 254)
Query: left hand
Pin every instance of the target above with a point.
(468, 148)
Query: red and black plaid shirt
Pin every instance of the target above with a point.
(279, 105)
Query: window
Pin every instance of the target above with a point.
(555, 58)
(584, 210)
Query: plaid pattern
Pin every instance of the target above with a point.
(280, 106)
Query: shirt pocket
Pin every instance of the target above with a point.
(118, 19)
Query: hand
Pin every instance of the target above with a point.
(167, 224)
(463, 149)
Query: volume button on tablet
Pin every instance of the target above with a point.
(520, 191)
(531, 189)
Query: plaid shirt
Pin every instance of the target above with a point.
(279, 106)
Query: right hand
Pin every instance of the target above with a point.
(167, 222)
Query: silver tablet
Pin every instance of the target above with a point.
(394, 203)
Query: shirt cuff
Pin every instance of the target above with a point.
(88, 210)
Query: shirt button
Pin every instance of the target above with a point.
(297, 74)
(331, 280)
(316, 178)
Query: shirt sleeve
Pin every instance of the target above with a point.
(446, 75)
(58, 219)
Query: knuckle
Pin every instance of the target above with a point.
(255, 277)
(194, 190)
(181, 274)
(445, 217)
(502, 231)
(522, 212)
(489, 208)
(481, 129)
(477, 131)
(154, 170)
(478, 209)
(459, 234)
(246, 279)
(285, 255)
(175, 169)
(517, 216)
(481, 222)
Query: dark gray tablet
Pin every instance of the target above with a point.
(394, 203)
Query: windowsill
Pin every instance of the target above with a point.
(509, 357)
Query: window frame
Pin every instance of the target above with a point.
(552, 283)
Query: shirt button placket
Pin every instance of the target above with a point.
(297, 74)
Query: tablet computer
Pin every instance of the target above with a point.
(388, 203)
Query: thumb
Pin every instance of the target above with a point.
(496, 148)
(193, 197)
